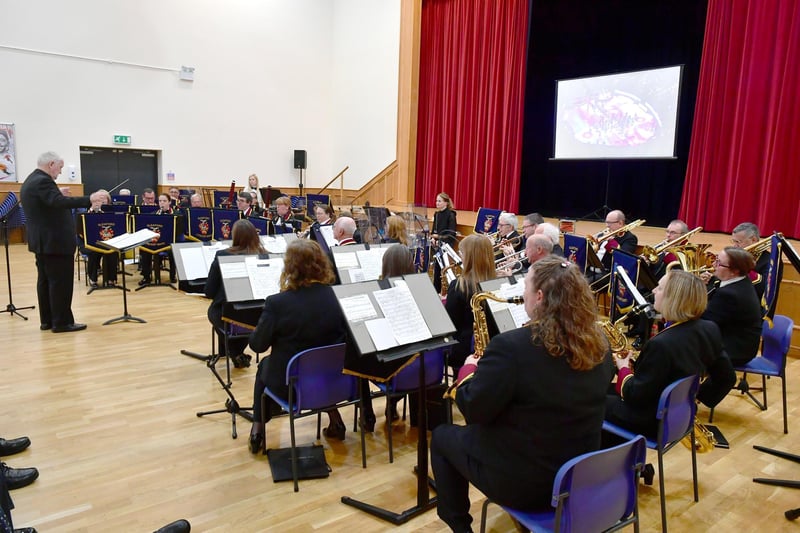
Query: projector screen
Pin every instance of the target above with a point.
(618, 116)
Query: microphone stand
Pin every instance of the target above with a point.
(11, 308)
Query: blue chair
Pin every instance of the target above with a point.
(596, 491)
(772, 361)
(316, 384)
(407, 380)
(676, 411)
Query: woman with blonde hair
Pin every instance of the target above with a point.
(396, 230)
(689, 345)
(304, 314)
(252, 187)
(477, 265)
(531, 403)
(443, 232)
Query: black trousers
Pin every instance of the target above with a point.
(109, 261)
(6, 525)
(54, 288)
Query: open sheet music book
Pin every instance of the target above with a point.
(276, 244)
(395, 318)
(130, 240)
(507, 316)
(356, 263)
(194, 259)
(250, 277)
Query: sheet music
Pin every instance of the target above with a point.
(233, 270)
(210, 252)
(345, 260)
(380, 331)
(399, 307)
(357, 308)
(371, 262)
(356, 275)
(274, 245)
(506, 291)
(264, 276)
(126, 240)
(194, 263)
(327, 233)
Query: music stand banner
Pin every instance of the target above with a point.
(148, 209)
(100, 227)
(774, 275)
(622, 300)
(487, 220)
(221, 198)
(164, 225)
(313, 200)
(115, 208)
(223, 223)
(199, 222)
(127, 199)
(261, 224)
(575, 249)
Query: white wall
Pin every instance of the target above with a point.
(271, 76)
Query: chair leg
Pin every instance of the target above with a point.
(785, 421)
(711, 416)
(389, 429)
(484, 508)
(694, 466)
(661, 494)
(764, 390)
(319, 426)
(294, 450)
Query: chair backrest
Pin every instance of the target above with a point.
(408, 378)
(594, 491)
(777, 339)
(317, 377)
(677, 407)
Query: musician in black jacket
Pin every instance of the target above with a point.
(305, 314)
(626, 241)
(285, 221)
(51, 236)
(146, 259)
(444, 231)
(744, 235)
(689, 345)
(532, 402)
(734, 306)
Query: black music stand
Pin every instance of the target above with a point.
(107, 224)
(123, 244)
(441, 329)
(165, 229)
(11, 309)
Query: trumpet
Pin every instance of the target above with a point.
(599, 238)
(511, 262)
(651, 253)
(513, 242)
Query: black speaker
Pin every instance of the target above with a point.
(300, 159)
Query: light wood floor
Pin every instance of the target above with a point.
(111, 413)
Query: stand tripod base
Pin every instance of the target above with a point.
(232, 407)
(12, 309)
(196, 355)
(389, 516)
(125, 318)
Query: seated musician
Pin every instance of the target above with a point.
(323, 215)
(396, 231)
(245, 204)
(305, 314)
(196, 200)
(552, 232)
(531, 403)
(743, 236)
(626, 241)
(175, 197)
(148, 196)
(508, 240)
(530, 223)
(675, 229)
(93, 259)
(245, 242)
(536, 247)
(477, 265)
(734, 306)
(285, 220)
(343, 230)
(690, 345)
(146, 259)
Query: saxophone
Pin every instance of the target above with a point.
(480, 327)
(704, 440)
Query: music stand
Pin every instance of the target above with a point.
(10, 205)
(96, 228)
(122, 244)
(439, 328)
(164, 227)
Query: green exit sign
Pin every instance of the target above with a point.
(122, 139)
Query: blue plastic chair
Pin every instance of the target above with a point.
(596, 491)
(316, 384)
(676, 411)
(407, 380)
(772, 361)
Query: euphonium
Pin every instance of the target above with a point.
(480, 327)
(606, 234)
(758, 248)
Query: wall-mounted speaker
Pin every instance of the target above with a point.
(300, 159)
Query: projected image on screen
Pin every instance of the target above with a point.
(629, 115)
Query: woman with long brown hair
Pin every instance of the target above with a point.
(245, 242)
(477, 266)
(305, 314)
(531, 403)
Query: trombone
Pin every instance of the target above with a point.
(599, 238)
(651, 253)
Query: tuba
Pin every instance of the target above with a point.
(480, 327)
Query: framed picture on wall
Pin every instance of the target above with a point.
(8, 154)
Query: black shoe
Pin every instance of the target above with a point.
(16, 478)
(92, 284)
(178, 526)
(648, 474)
(335, 432)
(69, 327)
(256, 441)
(25, 530)
(369, 423)
(10, 447)
(45, 326)
(241, 360)
(144, 281)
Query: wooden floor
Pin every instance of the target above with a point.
(111, 413)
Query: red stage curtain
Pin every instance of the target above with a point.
(744, 160)
(471, 98)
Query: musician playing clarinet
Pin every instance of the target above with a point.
(531, 403)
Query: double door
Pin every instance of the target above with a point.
(107, 168)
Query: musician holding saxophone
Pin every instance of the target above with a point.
(690, 345)
(533, 401)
